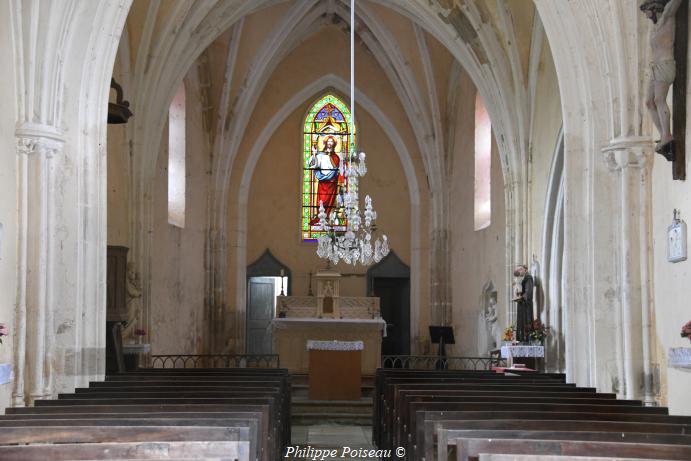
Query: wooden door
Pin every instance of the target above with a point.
(260, 312)
(394, 299)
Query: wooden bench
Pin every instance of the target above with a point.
(407, 434)
(427, 443)
(469, 449)
(450, 438)
(134, 412)
(235, 451)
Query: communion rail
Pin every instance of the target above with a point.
(216, 361)
(434, 362)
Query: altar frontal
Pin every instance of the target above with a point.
(327, 317)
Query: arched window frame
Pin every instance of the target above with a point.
(483, 166)
(177, 152)
(309, 206)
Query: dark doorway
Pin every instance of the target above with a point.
(389, 280)
(394, 299)
(266, 278)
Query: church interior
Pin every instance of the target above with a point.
(280, 213)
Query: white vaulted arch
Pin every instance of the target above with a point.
(63, 61)
(300, 99)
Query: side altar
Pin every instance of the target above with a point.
(327, 317)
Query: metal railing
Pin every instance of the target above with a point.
(434, 362)
(216, 361)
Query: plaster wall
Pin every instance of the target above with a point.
(547, 121)
(274, 204)
(8, 204)
(385, 180)
(671, 293)
(477, 257)
(177, 306)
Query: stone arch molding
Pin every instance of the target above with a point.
(600, 51)
(302, 98)
(60, 49)
(490, 66)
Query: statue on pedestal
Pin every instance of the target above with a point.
(524, 302)
(134, 303)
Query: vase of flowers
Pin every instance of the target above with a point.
(140, 333)
(507, 337)
(686, 331)
(537, 332)
(4, 331)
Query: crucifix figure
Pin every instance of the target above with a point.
(663, 68)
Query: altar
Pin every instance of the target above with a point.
(327, 317)
(290, 336)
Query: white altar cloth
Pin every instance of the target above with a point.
(679, 357)
(522, 351)
(6, 374)
(510, 352)
(285, 322)
(335, 345)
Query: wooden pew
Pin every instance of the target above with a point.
(159, 404)
(496, 457)
(408, 431)
(427, 444)
(469, 449)
(235, 451)
(451, 437)
(140, 427)
(388, 386)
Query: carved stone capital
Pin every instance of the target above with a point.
(39, 139)
(629, 152)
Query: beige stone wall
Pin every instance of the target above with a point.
(8, 207)
(274, 205)
(273, 208)
(547, 121)
(477, 257)
(178, 254)
(671, 297)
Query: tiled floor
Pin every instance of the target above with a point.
(334, 436)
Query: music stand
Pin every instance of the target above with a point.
(441, 335)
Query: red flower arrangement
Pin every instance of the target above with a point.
(686, 331)
(140, 332)
(537, 331)
(4, 331)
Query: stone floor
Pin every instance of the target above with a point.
(332, 436)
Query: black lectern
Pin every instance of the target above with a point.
(441, 335)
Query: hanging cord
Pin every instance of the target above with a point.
(352, 60)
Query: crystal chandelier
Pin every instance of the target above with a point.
(358, 243)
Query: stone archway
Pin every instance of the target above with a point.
(61, 49)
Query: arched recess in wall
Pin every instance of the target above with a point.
(309, 93)
(553, 250)
(265, 277)
(389, 280)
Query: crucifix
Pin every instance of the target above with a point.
(669, 65)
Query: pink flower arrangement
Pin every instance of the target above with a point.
(4, 331)
(686, 331)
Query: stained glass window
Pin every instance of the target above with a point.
(176, 158)
(483, 166)
(329, 135)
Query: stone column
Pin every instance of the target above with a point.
(631, 159)
(37, 145)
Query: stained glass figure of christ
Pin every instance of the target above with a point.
(329, 135)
